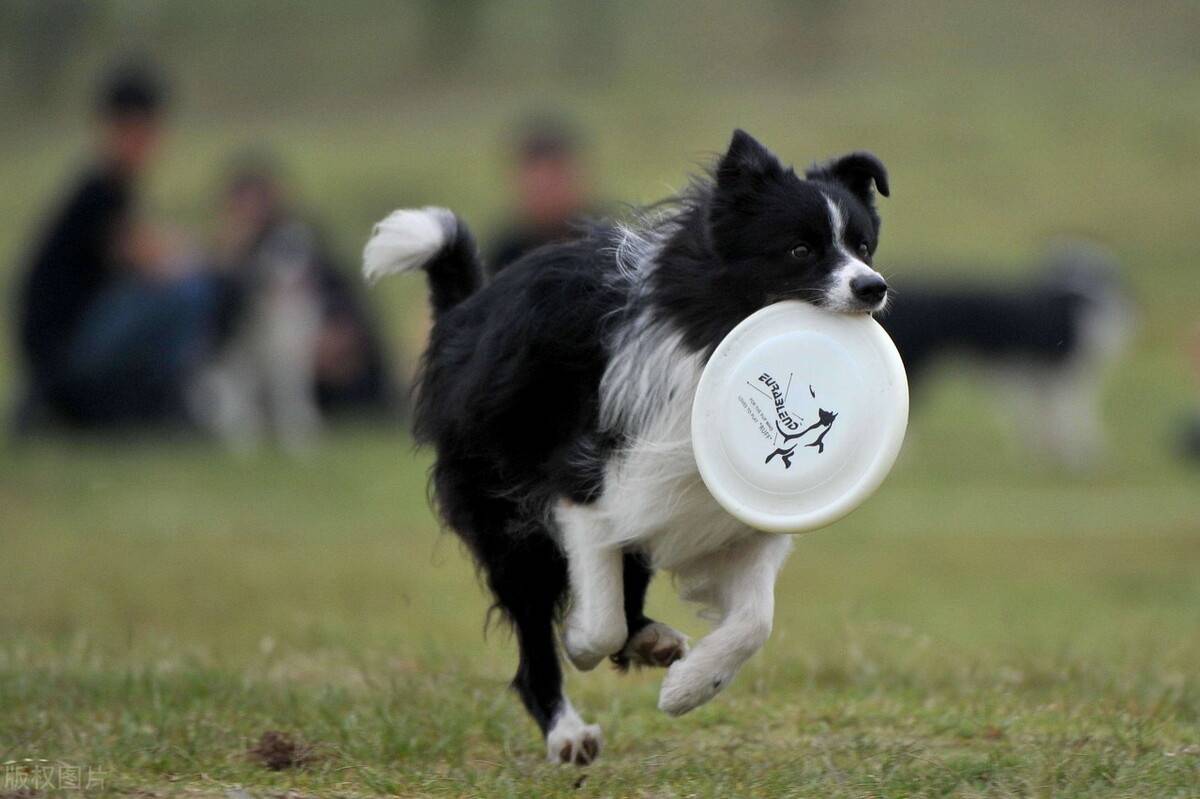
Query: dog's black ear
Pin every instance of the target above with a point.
(855, 171)
(746, 159)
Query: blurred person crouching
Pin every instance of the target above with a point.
(296, 344)
(114, 313)
(550, 187)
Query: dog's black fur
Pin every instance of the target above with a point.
(509, 392)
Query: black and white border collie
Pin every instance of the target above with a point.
(1048, 341)
(558, 399)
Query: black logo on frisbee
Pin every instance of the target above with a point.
(788, 426)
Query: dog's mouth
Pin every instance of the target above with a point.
(832, 302)
(854, 305)
(841, 296)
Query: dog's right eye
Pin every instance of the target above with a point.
(801, 252)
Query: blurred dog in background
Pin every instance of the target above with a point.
(1052, 339)
(262, 379)
(296, 344)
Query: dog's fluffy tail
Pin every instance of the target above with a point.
(433, 239)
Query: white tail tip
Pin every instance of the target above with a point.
(407, 239)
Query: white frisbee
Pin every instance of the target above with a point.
(799, 416)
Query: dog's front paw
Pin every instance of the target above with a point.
(587, 647)
(656, 644)
(572, 741)
(690, 683)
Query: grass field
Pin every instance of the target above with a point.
(984, 626)
(1003, 634)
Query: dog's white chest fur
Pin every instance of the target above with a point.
(653, 498)
(653, 494)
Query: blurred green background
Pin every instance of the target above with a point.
(985, 626)
(1001, 125)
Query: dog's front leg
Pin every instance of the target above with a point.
(739, 583)
(595, 627)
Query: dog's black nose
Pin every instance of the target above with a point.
(869, 288)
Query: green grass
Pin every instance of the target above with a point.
(1008, 634)
(984, 626)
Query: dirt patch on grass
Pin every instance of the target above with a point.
(277, 751)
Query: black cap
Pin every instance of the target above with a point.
(130, 88)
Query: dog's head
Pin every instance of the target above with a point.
(781, 236)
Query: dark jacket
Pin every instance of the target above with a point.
(70, 265)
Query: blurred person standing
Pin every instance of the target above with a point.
(113, 313)
(550, 188)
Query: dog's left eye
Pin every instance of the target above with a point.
(864, 250)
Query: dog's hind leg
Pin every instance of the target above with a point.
(528, 588)
(539, 682)
(650, 643)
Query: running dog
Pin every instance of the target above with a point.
(558, 397)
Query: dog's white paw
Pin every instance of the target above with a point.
(656, 644)
(587, 647)
(690, 683)
(572, 741)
